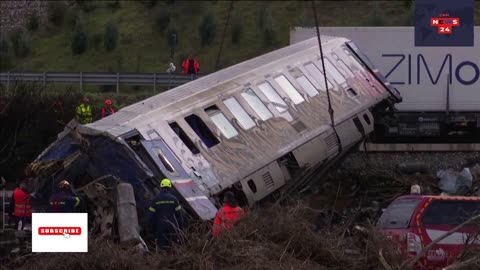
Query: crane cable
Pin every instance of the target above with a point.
(330, 109)
(217, 63)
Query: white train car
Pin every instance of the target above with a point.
(250, 128)
(440, 86)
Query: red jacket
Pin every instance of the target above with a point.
(23, 208)
(186, 66)
(225, 218)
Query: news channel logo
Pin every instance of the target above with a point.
(443, 23)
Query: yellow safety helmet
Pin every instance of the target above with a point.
(165, 183)
(63, 184)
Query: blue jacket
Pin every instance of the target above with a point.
(64, 202)
(166, 213)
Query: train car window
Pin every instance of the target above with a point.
(252, 186)
(365, 61)
(351, 92)
(153, 135)
(307, 86)
(337, 76)
(273, 96)
(353, 60)
(257, 105)
(318, 76)
(345, 68)
(184, 137)
(367, 119)
(242, 116)
(289, 89)
(165, 161)
(201, 129)
(222, 123)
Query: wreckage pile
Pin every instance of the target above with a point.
(276, 237)
(330, 227)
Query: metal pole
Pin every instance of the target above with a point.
(173, 39)
(44, 79)
(3, 210)
(81, 81)
(154, 83)
(8, 80)
(118, 83)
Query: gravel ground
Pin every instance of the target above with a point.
(433, 160)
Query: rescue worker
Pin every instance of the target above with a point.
(166, 218)
(191, 66)
(108, 109)
(83, 112)
(228, 215)
(22, 210)
(64, 200)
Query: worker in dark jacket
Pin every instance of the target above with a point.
(108, 109)
(228, 215)
(166, 218)
(191, 66)
(64, 200)
(83, 112)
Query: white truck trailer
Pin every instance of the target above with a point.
(440, 86)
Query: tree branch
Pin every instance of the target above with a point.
(461, 265)
(383, 261)
(408, 264)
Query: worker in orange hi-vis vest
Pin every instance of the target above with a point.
(228, 215)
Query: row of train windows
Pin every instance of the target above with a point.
(244, 119)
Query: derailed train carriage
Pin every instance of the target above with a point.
(251, 128)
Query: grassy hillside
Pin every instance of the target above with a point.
(142, 47)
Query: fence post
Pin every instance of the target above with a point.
(3, 209)
(154, 83)
(118, 83)
(81, 81)
(44, 79)
(8, 80)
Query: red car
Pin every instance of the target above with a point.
(415, 221)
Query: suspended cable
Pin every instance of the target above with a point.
(330, 109)
(223, 37)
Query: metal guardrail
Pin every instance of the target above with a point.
(97, 78)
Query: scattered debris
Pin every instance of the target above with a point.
(415, 190)
(412, 167)
(455, 183)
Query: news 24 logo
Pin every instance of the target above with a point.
(444, 23)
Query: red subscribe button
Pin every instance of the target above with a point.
(59, 230)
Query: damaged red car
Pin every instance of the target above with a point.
(413, 222)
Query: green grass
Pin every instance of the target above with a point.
(142, 49)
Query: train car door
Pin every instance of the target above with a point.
(165, 161)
